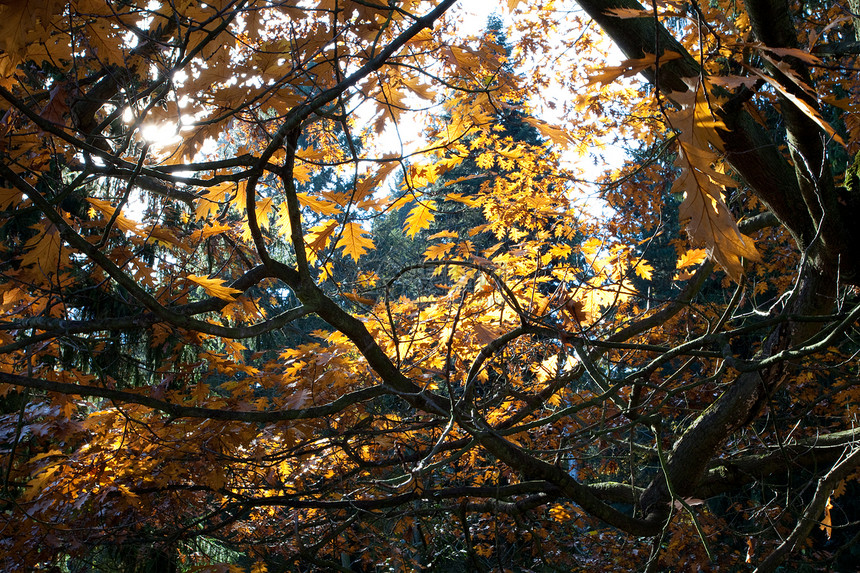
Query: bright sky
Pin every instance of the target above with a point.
(473, 17)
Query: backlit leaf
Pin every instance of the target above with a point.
(420, 217)
(353, 242)
(215, 287)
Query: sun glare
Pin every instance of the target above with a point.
(160, 135)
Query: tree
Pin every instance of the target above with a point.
(534, 408)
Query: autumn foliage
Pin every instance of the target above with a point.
(340, 285)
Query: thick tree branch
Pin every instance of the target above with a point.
(179, 411)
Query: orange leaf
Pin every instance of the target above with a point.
(354, 297)
(827, 522)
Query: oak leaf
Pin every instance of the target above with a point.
(439, 251)
(691, 258)
(8, 197)
(355, 297)
(43, 250)
(319, 235)
(629, 68)
(215, 287)
(803, 106)
(644, 270)
(320, 206)
(708, 218)
(420, 217)
(353, 242)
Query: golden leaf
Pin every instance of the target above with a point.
(318, 205)
(629, 68)
(420, 217)
(262, 210)
(353, 242)
(122, 222)
(708, 218)
(554, 133)
(282, 220)
(319, 236)
(644, 270)
(443, 235)
(691, 257)
(215, 287)
(439, 251)
(211, 230)
(803, 106)
(43, 249)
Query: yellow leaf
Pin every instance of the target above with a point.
(367, 279)
(554, 133)
(420, 217)
(43, 250)
(438, 251)
(215, 287)
(301, 173)
(262, 210)
(211, 230)
(318, 205)
(210, 202)
(485, 160)
(122, 222)
(353, 242)
(546, 369)
(443, 235)
(644, 270)
(708, 218)
(691, 257)
(319, 236)
(629, 68)
(803, 106)
(282, 220)
(465, 200)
